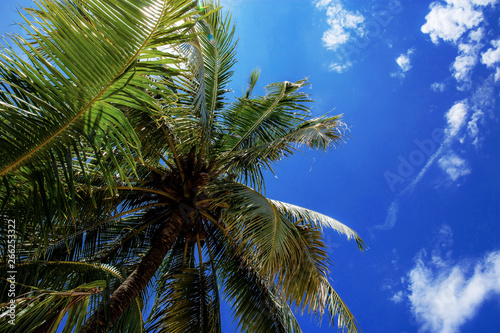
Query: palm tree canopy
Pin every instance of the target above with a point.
(134, 180)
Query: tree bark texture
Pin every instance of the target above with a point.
(123, 297)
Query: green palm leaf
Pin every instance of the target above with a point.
(257, 304)
(309, 217)
(264, 117)
(267, 239)
(317, 133)
(47, 291)
(187, 295)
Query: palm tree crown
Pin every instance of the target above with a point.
(134, 181)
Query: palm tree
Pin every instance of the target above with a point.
(135, 184)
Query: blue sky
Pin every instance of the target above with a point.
(418, 83)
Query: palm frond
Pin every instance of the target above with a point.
(338, 310)
(46, 291)
(219, 50)
(317, 133)
(186, 297)
(252, 81)
(301, 273)
(261, 118)
(309, 217)
(258, 305)
(265, 236)
(44, 310)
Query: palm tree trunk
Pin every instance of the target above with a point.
(122, 297)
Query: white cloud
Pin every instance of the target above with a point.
(492, 55)
(454, 166)
(461, 22)
(339, 68)
(438, 87)
(392, 215)
(476, 35)
(427, 165)
(444, 238)
(456, 118)
(398, 297)
(483, 104)
(451, 20)
(404, 62)
(483, 97)
(398, 74)
(472, 125)
(322, 3)
(484, 2)
(342, 23)
(445, 296)
(465, 61)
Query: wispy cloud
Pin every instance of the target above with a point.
(464, 121)
(339, 67)
(461, 23)
(403, 60)
(344, 26)
(404, 63)
(392, 215)
(473, 127)
(456, 119)
(348, 31)
(466, 61)
(398, 297)
(483, 106)
(454, 166)
(342, 23)
(438, 86)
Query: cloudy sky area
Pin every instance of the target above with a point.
(418, 83)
